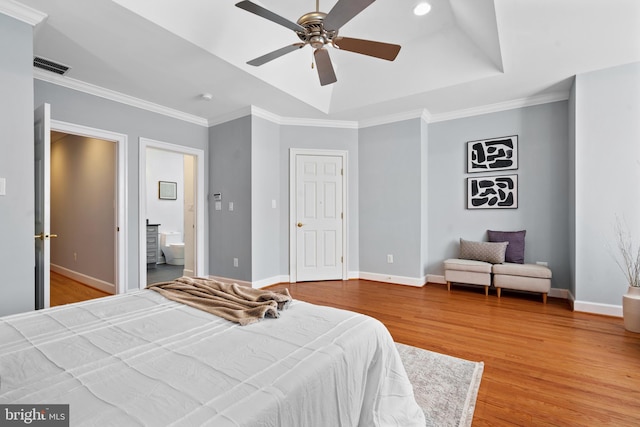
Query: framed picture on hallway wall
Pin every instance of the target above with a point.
(492, 192)
(495, 154)
(167, 190)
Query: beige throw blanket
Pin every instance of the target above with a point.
(228, 300)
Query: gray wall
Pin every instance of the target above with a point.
(572, 188)
(230, 175)
(80, 108)
(424, 185)
(543, 181)
(265, 189)
(17, 255)
(83, 200)
(391, 174)
(607, 173)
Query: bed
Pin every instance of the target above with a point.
(142, 359)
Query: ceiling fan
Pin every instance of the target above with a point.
(318, 29)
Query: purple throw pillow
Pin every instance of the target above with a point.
(515, 249)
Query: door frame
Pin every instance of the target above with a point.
(142, 207)
(293, 244)
(122, 210)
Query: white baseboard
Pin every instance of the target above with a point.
(389, 278)
(107, 287)
(597, 308)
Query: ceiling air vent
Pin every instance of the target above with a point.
(49, 65)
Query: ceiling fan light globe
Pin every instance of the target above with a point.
(317, 42)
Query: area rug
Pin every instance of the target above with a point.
(445, 387)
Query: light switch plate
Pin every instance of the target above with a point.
(3, 186)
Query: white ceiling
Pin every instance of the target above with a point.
(463, 56)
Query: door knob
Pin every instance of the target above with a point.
(300, 224)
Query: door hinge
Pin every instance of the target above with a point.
(341, 259)
(341, 171)
(341, 215)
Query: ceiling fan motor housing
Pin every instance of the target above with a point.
(315, 34)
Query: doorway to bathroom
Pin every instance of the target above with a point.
(171, 211)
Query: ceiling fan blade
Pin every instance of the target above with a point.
(343, 12)
(267, 14)
(325, 68)
(275, 54)
(368, 47)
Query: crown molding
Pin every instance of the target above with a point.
(423, 114)
(287, 121)
(399, 117)
(501, 106)
(116, 96)
(21, 12)
(342, 124)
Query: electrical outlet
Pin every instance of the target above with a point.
(389, 259)
(235, 262)
(545, 263)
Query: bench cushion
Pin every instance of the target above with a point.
(467, 265)
(525, 270)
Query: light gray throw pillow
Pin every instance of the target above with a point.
(492, 252)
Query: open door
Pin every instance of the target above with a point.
(42, 159)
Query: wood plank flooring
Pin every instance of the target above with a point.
(65, 290)
(545, 365)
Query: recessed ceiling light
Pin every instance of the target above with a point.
(422, 9)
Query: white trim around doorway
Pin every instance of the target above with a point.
(142, 207)
(121, 232)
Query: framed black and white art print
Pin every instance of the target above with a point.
(492, 192)
(495, 154)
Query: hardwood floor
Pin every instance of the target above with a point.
(544, 364)
(65, 290)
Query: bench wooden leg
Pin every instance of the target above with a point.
(544, 298)
(498, 291)
(486, 291)
(448, 286)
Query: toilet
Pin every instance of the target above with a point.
(172, 247)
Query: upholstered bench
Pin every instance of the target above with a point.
(522, 277)
(467, 271)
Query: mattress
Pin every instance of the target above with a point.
(142, 360)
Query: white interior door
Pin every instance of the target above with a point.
(319, 217)
(42, 160)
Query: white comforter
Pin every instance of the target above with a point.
(140, 359)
